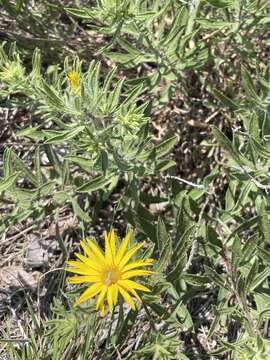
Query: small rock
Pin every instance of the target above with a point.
(15, 277)
(36, 254)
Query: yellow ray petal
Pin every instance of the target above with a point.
(137, 264)
(96, 250)
(135, 294)
(112, 243)
(80, 271)
(110, 298)
(133, 273)
(102, 310)
(85, 265)
(127, 297)
(77, 264)
(129, 254)
(135, 285)
(72, 263)
(80, 265)
(83, 279)
(86, 249)
(125, 285)
(90, 263)
(108, 251)
(89, 293)
(100, 300)
(115, 293)
(122, 248)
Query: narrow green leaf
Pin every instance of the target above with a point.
(164, 164)
(60, 197)
(260, 278)
(19, 4)
(264, 223)
(23, 168)
(164, 245)
(79, 211)
(53, 97)
(7, 165)
(36, 61)
(221, 4)
(214, 24)
(195, 280)
(264, 255)
(225, 143)
(53, 158)
(165, 257)
(218, 279)
(96, 184)
(64, 136)
(114, 97)
(108, 80)
(85, 163)
(248, 84)
(176, 272)
(242, 198)
(37, 165)
(249, 249)
(126, 45)
(224, 99)
(32, 133)
(146, 227)
(247, 224)
(163, 148)
(80, 13)
(6, 183)
(182, 244)
(261, 149)
(162, 235)
(244, 286)
(236, 251)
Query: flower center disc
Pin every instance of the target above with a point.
(111, 276)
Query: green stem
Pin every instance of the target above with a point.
(151, 320)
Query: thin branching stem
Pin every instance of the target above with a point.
(195, 241)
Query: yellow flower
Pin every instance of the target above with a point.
(74, 79)
(109, 273)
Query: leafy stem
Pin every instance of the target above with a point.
(232, 278)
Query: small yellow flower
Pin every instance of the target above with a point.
(74, 79)
(109, 273)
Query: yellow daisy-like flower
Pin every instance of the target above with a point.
(74, 79)
(110, 273)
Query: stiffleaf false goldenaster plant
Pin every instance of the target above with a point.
(109, 273)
